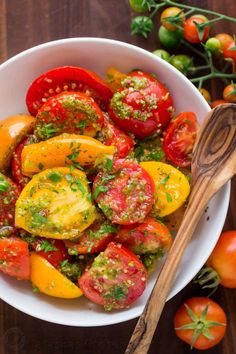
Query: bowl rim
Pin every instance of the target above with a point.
(177, 74)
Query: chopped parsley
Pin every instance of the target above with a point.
(169, 197)
(40, 166)
(55, 176)
(109, 164)
(4, 184)
(46, 246)
(98, 190)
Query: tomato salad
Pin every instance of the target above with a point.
(88, 180)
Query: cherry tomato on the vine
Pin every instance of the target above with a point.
(161, 53)
(138, 5)
(230, 51)
(217, 103)
(169, 39)
(172, 17)
(229, 93)
(213, 45)
(182, 62)
(206, 94)
(200, 322)
(224, 38)
(192, 31)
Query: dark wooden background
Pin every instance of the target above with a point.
(26, 23)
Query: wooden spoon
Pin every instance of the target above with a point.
(214, 163)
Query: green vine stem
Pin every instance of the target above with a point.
(213, 75)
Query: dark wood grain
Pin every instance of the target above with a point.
(23, 24)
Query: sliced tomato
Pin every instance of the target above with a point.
(151, 236)
(115, 279)
(179, 139)
(142, 106)
(9, 193)
(94, 239)
(54, 251)
(67, 78)
(125, 193)
(112, 135)
(14, 257)
(68, 112)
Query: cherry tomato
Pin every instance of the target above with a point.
(138, 5)
(213, 45)
(115, 279)
(207, 319)
(206, 94)
(182, 62)
(170, 39)
(14, 256)
(230, 51)
(113, 135)
(125, 193)
(151, 236)
(171, 17)
(223, 259)
(217, 103)
(54, 251)
(9, 193)
(224, 38)
(94, 239)
(191, 32)
(66, 78)
(229, 93)
(179, 139)
(143, 106)
(68, 112)
(161, 53)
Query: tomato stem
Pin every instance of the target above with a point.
(213, 75)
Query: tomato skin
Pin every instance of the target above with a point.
(116, 278)
(14, 256)
(64, 113)
(170, 39)
(191, 32)
(229, 52)
(229, 93)
(214, 313)
(179, 139)
(142, 107)
(66, 78)
(9, 193)
(116, 137)
(138, 6)
(54, 257)
(206, 94)
(224, 38)
(151, 236)
(223, 259)
(217, 103)
(161, 53)
(172, 12)
(125, 194)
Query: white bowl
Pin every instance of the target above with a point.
(98, 54)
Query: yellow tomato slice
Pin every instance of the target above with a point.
(56, 203)
(171, 187)
(62, 150)
(12, 130)
(114, 78)
(50, 281)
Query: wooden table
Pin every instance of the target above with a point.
(26, 23)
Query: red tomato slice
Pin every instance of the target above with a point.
(14, 257)
(151, 236)
(115, 136)
(115, 279)
(179, 139)
(142, 106)
(94, 239)
(9, 193)
(68, 112)
(125, 194)
(67, 78)
(54, 251)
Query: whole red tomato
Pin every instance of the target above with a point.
(230, 51)
(192, 32)
(200, 322)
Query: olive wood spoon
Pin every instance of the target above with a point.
(213, 164)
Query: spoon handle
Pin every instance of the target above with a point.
(146, 325)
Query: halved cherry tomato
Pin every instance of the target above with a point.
(230, 51)
(54, 251)
(115, 279)
(151, 236)
(56, 204)
(200, 322)
(114, 78)
(9, 193)
(14, 257)
(191, 32)
(113, 135)
(94, 239)
(229, 93)
(125, 193)
(179, 139)
(142, 106)
(224, 38)
(67, 78)
(217, 103)
(68, 112)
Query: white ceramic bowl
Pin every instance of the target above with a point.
(98, 54)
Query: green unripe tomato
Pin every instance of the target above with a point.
(142, 26)
(138, 6)
(161, 53)
(170, 39)
(182, 62)
(213, 45)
